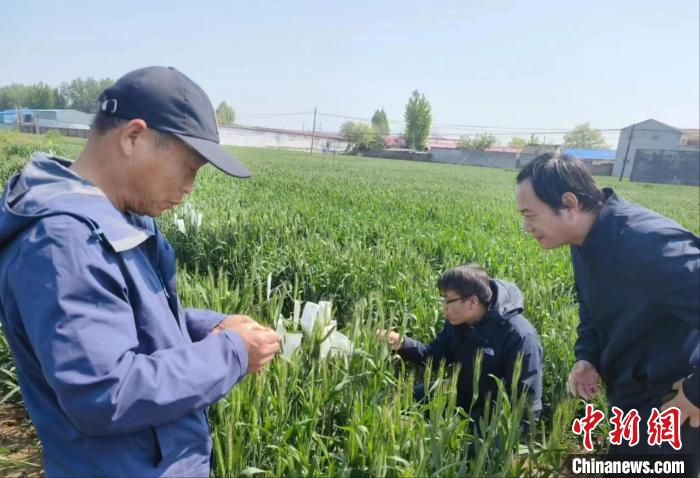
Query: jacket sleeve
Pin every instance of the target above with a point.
(438, 350)
(675, 277)
(200, 322)
(587, 345)
(691, 385)
(530, 380)
(83, 332)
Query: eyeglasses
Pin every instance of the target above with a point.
(444, 301)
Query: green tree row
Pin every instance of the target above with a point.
(417, 116)
(79, 94)
(582, 136)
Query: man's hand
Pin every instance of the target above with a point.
(688, 410)
(231, 321)
(583, 380)
(262, 343)
(394, 340)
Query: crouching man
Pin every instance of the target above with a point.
(482, 314)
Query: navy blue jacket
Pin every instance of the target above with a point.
(638, 281)
(502, 333)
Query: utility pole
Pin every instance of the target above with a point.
(313, 132)
(20, 115)
(627, 151)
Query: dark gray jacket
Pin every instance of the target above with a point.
(638, 282)
(502, 333)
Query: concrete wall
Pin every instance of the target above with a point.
(74, 132)
(70, 119)
(667, 166)
(475, 158)
(494, 159)
(403, 154)
(68, 122)
(600, 168)
(489, 159)
(646, 136)
(261, 138)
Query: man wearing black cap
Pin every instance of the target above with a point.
(115, 374)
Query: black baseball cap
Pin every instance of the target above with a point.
(170, 102)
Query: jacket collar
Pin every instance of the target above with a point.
(47, 187)
(597, 235)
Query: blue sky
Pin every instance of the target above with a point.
(529, 66)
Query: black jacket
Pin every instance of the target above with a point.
(502, 333)
(638, 282)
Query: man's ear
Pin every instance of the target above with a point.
(131, 132)
(570, 202)
(473, 301)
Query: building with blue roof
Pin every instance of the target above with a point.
(591, 154)
(68, 122)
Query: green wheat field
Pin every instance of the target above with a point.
(372, 236)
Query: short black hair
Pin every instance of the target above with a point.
(553, 175)
(103, 123)
(467, 280)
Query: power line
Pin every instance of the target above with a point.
(514, 130)
(475, 126)
(450, 125)
(465, 130)
(300, 113)
(520, 132)
(468, 128)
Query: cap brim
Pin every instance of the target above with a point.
(216, 155)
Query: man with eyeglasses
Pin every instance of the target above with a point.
(482, 315)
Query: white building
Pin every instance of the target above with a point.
(281, 138)
(650, 134)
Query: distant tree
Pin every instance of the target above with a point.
(478, 142)
(535, 140)
(40, 96)
(60, 101)
(82, 94)
(225, 114)
(418, 119)
(517, 142)
(37, 96)
(14, 96)
(362, 135)
(585, 137)
(380, 123)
